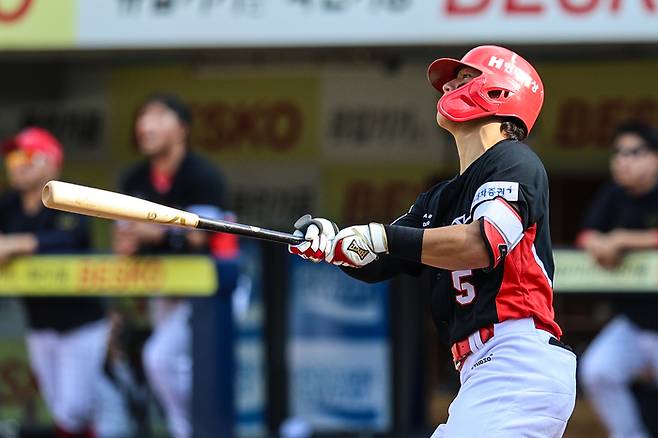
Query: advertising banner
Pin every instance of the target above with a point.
(93, 275)
(582, 109)
(356, 195)
(273, 196)
(338, 350)
(576, 271)
(267, 23)
(42, 24)
(238, 116)
(376, 116)
(112, 24)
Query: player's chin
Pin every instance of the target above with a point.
(444, 122)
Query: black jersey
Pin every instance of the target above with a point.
(613, 208)
(197, 186)
(520, 285)
(56, 233)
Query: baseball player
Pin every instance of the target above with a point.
(484, 235)
(67, 336)
(623, 217)
(173, 175)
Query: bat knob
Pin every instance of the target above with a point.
(47, 194)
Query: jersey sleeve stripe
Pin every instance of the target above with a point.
(400, 218)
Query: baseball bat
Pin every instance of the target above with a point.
(110, 205)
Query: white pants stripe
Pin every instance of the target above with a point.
(517, 385)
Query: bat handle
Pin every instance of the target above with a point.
(249, 231)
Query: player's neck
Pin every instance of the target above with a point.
(169, 162)
(475, 141)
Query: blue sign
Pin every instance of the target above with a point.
(250, 397)
(338, 350)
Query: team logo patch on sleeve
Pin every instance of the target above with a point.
(494, 189)
(361, 252)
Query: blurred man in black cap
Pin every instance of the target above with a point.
(171, 175)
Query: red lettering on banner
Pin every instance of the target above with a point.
(457, 7)
(366, 201)
(582, 124)
(609, 114)
(276, 126)
(16, 14)
(649, 5)
(522, 7)
(538, 7)
(116, 276)
(646, 110)
(571, 124)
(579, 7)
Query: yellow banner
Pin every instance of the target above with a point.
(236, 116)
(584, 103)
(37, 24)
(576, 271)
(109, 275)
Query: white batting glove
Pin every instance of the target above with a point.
(319, 234)
(358, 245)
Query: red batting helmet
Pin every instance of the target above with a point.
(508, 86)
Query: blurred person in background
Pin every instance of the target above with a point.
(622, 218)
(171, 175)
(66, 338)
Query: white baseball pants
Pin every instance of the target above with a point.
(516, 385)
(615, 357)
(168, 363)
(67, 367)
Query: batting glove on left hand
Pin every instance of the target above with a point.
(358, 245)
(318, 232)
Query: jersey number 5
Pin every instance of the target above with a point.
(465, 290)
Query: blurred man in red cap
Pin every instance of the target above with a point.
(67, 336)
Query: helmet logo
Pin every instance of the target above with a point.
(516, 72)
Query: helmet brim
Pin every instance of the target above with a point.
(444, 70)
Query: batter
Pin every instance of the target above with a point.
(485, 237)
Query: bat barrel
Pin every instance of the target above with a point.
(248, 230)
(109, 205)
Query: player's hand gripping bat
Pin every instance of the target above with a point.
(110, 205)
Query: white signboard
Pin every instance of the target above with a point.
(376, 116)
(268, 23)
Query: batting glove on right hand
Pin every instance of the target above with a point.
(358, 245)
(319, 234)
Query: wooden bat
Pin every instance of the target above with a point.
(110, 205)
